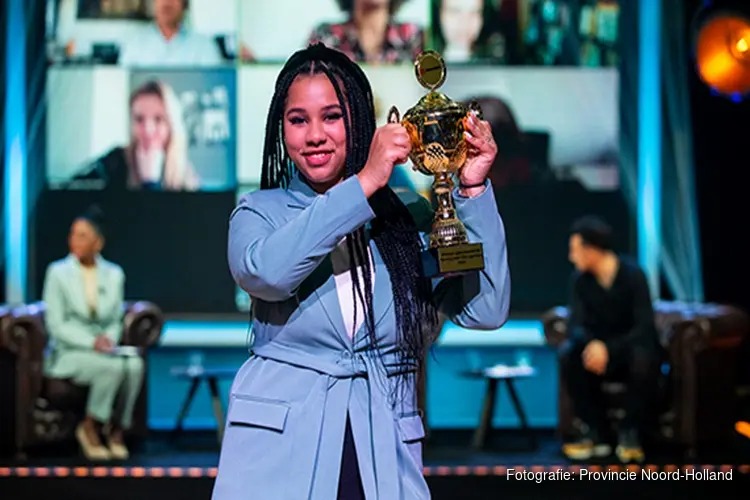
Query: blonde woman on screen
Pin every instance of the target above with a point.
(156, 158)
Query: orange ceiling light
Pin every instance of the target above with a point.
(722, 53)
(743, 428)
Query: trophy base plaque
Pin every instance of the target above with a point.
(453, 260)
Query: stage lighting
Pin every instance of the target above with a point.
(743, 428)
(721, 31)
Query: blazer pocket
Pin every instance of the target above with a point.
(248, 411)
(411, 428)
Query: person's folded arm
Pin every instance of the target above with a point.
(59, 328)
(479, 300)
(270, 263)
(576, 331)
(113, 320)
(643, 317)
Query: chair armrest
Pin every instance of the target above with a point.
(696, 327)
(5, 315)
(143, 324)
(555, 325)
(24, 335)
(23, 332)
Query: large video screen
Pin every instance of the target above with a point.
(164, 130)
(171, 96)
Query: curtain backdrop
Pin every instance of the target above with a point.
(628, 39)
(3, 44)
(36, 125)
(681, 255)
(24, 66)
(680, 252)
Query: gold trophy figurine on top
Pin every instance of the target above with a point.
(436, 127)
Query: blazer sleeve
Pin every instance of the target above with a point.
(479, 300)
(271, 262)
(59, 327)
(113, 321)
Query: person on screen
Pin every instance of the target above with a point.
(157, 156)
(612, 335)
(469, 31)
(550, 37)
(83, 296)
(371, 35)
(168, 42)
(512, 165)
(325, 407)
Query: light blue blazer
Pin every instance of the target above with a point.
(67, 316)
(289, 402)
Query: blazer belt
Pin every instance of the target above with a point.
(346, 365)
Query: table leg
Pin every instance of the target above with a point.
(484, 430)
(213, 385)
(185, 407)
(521, 413)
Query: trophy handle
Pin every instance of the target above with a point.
(475, 108)
(393, 115)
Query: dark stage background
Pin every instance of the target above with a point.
(721, 146)
(537, 220)
(721, 131)
(172, 246)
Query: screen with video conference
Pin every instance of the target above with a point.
(171, 96)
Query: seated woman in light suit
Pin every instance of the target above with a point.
(343, 314)
(83, 294)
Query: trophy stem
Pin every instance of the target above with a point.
(447, 229)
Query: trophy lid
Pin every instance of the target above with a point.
(430, 71)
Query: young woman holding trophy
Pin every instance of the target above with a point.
(343, 313)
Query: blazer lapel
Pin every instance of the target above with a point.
(322, 287)
(102, 285)
(321, 282)
(382, 295)
(75, 287)
(301, 195)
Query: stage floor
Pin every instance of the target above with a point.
(185, 470)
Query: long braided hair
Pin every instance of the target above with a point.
(393, 228)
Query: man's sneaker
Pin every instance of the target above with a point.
(629, 448)
(587, 447)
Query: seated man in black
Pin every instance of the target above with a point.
(612, 334)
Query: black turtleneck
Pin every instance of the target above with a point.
(619, 315)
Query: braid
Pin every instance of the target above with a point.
(393, 230)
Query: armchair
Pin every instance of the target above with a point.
(43, 410)
(697, 382)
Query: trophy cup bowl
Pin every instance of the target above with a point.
(436, 127)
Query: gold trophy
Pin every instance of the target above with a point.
(436, 127)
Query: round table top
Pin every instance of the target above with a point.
(192, 372)
(501, 372)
